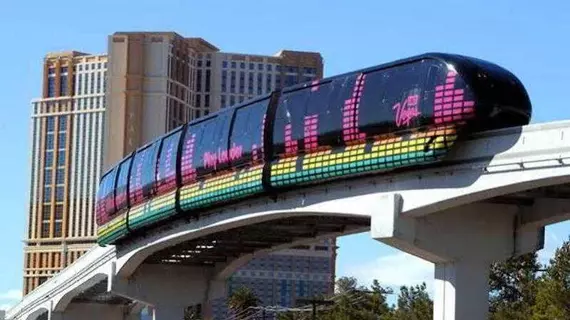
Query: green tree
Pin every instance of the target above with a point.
(553, 290)
(241, 301)
(355, 302)
(512, 287)
(414, 303)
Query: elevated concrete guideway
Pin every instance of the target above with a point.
(490, 200)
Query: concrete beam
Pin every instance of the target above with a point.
(462, 242)
(169, 289)
(545, 211)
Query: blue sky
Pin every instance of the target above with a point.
(530, 38)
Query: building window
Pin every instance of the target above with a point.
(224, 64)
(208, 76)
(49, 157)
(57, 230)
(198, 100)
(250, 84)
(49, 141)
(260, 66)
(224, 79)
(199, 80)
(50, 123)
(80, 84)
(59, 192)
(207, 101)
(44, 234)
(98, 82)
(268, 83)
(51, 87)
(222, 101)
(51, 71)
(58, 211)
(47, 193)
(233, 82)
(60, 176)
(63, 85)
(242, 65)
(47, 176)
(233, 64)
(62, 123)
(251, 66)
(61, 140)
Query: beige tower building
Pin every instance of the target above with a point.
(160, 80)
(66, 139)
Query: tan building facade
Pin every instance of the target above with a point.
(66, 140)
(160, 80)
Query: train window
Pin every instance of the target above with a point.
(105, 200)
(167, 163)
(390, 99)
(339, 104)
(289, 121)
(187, 170)
(143, 174)
(205, 147)
(247, 133)
(325, 103)
(121, 199)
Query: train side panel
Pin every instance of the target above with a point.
(222, 159)
(154, 181)
(116, 226)
(368, 122)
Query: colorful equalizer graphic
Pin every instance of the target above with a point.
(382, 154)
(157, 208)
(450, 104)
(226, 186)
(113, 230)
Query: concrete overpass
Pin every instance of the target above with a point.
(489, 201)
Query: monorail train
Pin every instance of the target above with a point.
(402, 114)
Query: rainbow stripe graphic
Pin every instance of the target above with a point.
(220, 188)
(155, 209)
(113, 230)
(381, 154)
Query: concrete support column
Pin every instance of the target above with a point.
(463, 286)
(462, 242)
(89, 311)
(169, 289)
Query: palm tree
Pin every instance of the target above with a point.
(241, 300)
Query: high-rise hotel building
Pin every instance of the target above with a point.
(160, 80)
(66, 140)
(95, 109)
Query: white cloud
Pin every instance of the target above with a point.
(9, 298)
(395, 270)
(11, 295)
(6, 306)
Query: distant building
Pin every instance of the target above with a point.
(280, 278)
(66, 133)
(95, 109)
